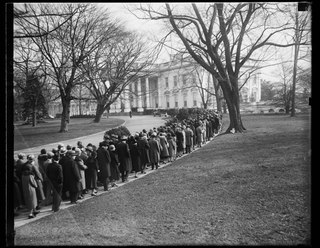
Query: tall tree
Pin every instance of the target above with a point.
(113, 66)
(66, 47)
(223, 37)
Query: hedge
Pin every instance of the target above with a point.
(118, 131)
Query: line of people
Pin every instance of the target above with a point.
(69, 173)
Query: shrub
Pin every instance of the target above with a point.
(119, 131)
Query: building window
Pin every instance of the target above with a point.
(175, 81)
(168, 104)
(167, 82)
(194, 99)
(194, 102)
(185, 103)
(184, 79)
(168, 101)
(176, 100)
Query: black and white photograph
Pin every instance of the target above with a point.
(158, 124)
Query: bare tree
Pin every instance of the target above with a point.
(68, 46)
(113, 66)
(223, 37)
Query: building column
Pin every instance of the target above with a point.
(140, 109)
(147, 93)
(126, 100)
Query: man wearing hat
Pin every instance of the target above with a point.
(18, 164)
(63, 161)
(124, 158)
(54, 173)
(154, 151)
(72, 176)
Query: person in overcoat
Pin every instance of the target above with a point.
(135, 155)
(114, 166)
(93, 169)
(164, 154)
(104, 160)
(18, 165)
(55, 179)
(16, 192)
(154, 151)
(179, 137)
(199, 132)
(124, 158)
(171, 148)
(82, 167)
(189, 139)
(29, 186)
(143, 147)
(63, 161)
(72, 176)
(48, 185)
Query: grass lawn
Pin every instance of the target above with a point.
(240, 189)
(26, 136)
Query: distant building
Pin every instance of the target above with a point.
(174, 84)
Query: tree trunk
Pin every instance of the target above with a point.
(233, 104)
(34, 117)
(99, 112)
(65, 118)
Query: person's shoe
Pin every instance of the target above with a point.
(94, 194)
(38, 207)
(80, 197)
(36, 212)
(106, 189)
(74, 202)
(135, 176)
(31, 216)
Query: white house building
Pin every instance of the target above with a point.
(174, 84)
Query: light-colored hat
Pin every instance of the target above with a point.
(31, 157)
(62, 150)
(112, 148)
(89, 148)
(77, 151)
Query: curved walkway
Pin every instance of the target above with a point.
(134, 124)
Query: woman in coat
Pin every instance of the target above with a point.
(154, 151)
(143, 147)
(124, 158)
(82, 167)
(172, 147)
(199, 132)
(189, 139)
(104, 160)
(114, 166)
(29, 186)
(135, 155)
(164, 154)
(93, 169)
(179, 137)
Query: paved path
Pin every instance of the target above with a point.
(134, 124)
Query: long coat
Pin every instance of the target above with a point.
(114, 169)
(55, 175)
(144, 147)
(164, 143)
(179, 136)
(104, 160)
(135, 157)
(71, 175)
(172, 147)
(189, 137)
(82, 167)
(92, 171)
(29, 186)
(124, 157)
(199, 131)
(154, 151)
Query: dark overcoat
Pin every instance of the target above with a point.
(55, 176)
(104, 160)
(144, 148)
(154, 151)
(114, 166)
(71, 175)
(135, 157)
(124, 157)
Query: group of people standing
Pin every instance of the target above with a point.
(68, 173)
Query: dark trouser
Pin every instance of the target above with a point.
(74, 196)
(56, 198)
(124, 175)
(105, 182)
(188, 149)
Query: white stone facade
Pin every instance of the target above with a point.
(171, 85)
